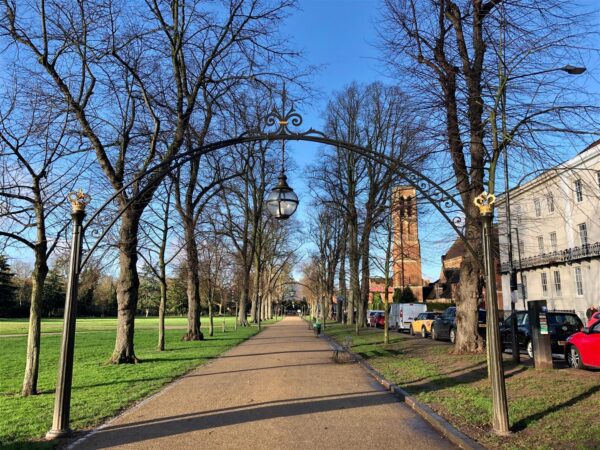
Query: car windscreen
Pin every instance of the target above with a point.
(569, 320)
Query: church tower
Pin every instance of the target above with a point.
(406, 248)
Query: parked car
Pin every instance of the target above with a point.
(402, 314)
(380, 320)
(561, 325)
(583, 349)
(592, 320)
(444, 326)
(422, 323)
(371, 313)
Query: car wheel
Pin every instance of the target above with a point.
(452, 336)
(434, 335)
(574, 358)
(423, 332)
(530, 349)
(411, 331)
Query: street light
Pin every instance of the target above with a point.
(571, 70)
(282, 201)
(62, 404)
(512, 273)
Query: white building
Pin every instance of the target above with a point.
(556, 235)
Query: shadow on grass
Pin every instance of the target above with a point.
(529, 420)
(30, 445)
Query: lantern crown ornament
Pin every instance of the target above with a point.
(79, 200)
(485, 203)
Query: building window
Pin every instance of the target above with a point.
(578, 281)
(553, 241)
(544, 284)
(538, 207)
(578, 191)
(583, 236)
(557, 286)
(550, 200)
(598, 177)
(518, 214)
(541, 244)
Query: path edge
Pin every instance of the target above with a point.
(70, 443)
(440, 424)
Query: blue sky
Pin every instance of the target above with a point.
(339, 36)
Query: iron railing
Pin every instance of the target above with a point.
(567, 256)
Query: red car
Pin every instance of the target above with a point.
(583, 349)
(380, 320)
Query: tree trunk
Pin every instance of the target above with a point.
(365, 275)
(127, 289)
(353, 260)
(211, 329)
(161, 315)
(242, 309)
(193, 287)
(342, 285)
(468, 339)
(33, 338)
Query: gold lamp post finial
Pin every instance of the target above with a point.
(485, 202)
(79, 200)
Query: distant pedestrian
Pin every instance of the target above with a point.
(593, 317)
(590, 312)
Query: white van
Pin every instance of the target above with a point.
(402, 314)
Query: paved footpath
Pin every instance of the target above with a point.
(278, 390)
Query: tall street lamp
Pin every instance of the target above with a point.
(571, 70)
(500, 423)
(62, 403)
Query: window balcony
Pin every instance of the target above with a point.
(567, 256)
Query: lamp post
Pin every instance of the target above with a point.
(62, 402)
(500, 423)
(571, 70)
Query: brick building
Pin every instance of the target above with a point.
(406, 246)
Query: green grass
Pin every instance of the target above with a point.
(100, 390)
(20, 326)
(547, 409)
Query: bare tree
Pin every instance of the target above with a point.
(153, 249)
(326, 232)
(378, 118)
(447, 47)
(111, 65)
(38, 168)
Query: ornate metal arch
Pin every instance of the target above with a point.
(283, 124)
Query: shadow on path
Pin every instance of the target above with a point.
(170, 426)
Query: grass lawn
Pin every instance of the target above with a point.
(100, 390)
(20, 326)
(547, 409)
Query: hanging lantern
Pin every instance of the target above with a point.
(282, 200)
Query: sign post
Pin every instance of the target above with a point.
(540, 337)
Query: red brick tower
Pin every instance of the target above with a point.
(407, 250)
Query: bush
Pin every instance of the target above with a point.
(405, 295)
(438, 306)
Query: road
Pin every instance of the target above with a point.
(278, 390)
